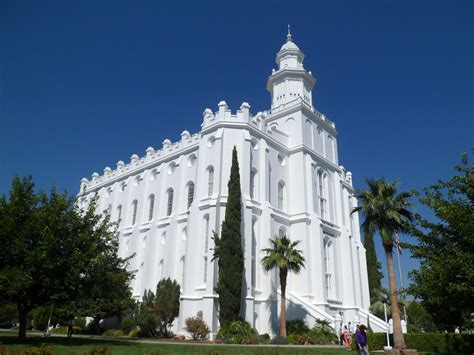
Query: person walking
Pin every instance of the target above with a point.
(347, 342)
(70, 325)
(350, 327)
(340, 333)
(361, 340)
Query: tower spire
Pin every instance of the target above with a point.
(288, 36)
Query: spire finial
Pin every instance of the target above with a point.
(288, 36)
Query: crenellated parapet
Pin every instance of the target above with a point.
(224, 114)
(210, 118)
(138, 163)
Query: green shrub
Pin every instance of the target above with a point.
(133, 333)
(128, 325)
(119, 333)
(297, 339)
(41, 317)
(197, 327)
(80, 323)
(296, 326)
(109, 333)
(264, 338)
(237, 332)
(59, 330)
(278, 340)
(438, 343)
(321, 336)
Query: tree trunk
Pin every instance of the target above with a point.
(23, 318)
(283, 275)
(398, 339)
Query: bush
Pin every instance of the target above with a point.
(59, 330)
(128, 325)
(296, 326)
(297, 339)
(80, 323)
(133, 333)
(109, 333)
(197, 327)
(438, 343)
(264, 338)
(321, 336)
(118, 333)
(278, 340)
(237, 332)
(41, 317)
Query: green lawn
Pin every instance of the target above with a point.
(9, 345)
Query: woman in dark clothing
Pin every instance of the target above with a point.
(361, 340)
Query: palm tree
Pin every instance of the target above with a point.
(283, 255)
(385, 210)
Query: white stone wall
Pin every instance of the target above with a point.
(290, 144)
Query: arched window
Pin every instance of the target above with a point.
(282, 231)
(134, 211)
(210, 181)
(254, 253)
(322, 181)
(328, 268)
(253, 174)
(161, 269)
(190, 193)
(119, 214)
(281, 195)
(169, 209)
(151, 200)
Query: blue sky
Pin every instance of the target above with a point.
(86, 83)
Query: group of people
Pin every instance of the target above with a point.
(346, 334)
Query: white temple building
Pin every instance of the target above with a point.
(169, 201)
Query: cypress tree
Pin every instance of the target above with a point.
(373, 267)
(229, 251)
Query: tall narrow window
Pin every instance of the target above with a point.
(253, 174)
(182, 262)
(206, 246)
(254, 252)
(190, 194)
(151, 200)
(134, 213)
(327, 268)
(119, 214)
(169, 209)
(210, 187)
(281, 195)
(322, 180)
(161, 269)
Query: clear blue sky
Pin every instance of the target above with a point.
(86, 83)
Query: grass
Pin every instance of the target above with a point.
(9, 344)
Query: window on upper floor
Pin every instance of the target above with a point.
(190, 193)
(134, 211)
(281, 195)
(119, 214)
(323, 183)
(253, 174)
(210, 181)
(169, 208)
(151, 201)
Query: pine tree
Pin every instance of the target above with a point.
(373, 267)
(229, 251)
